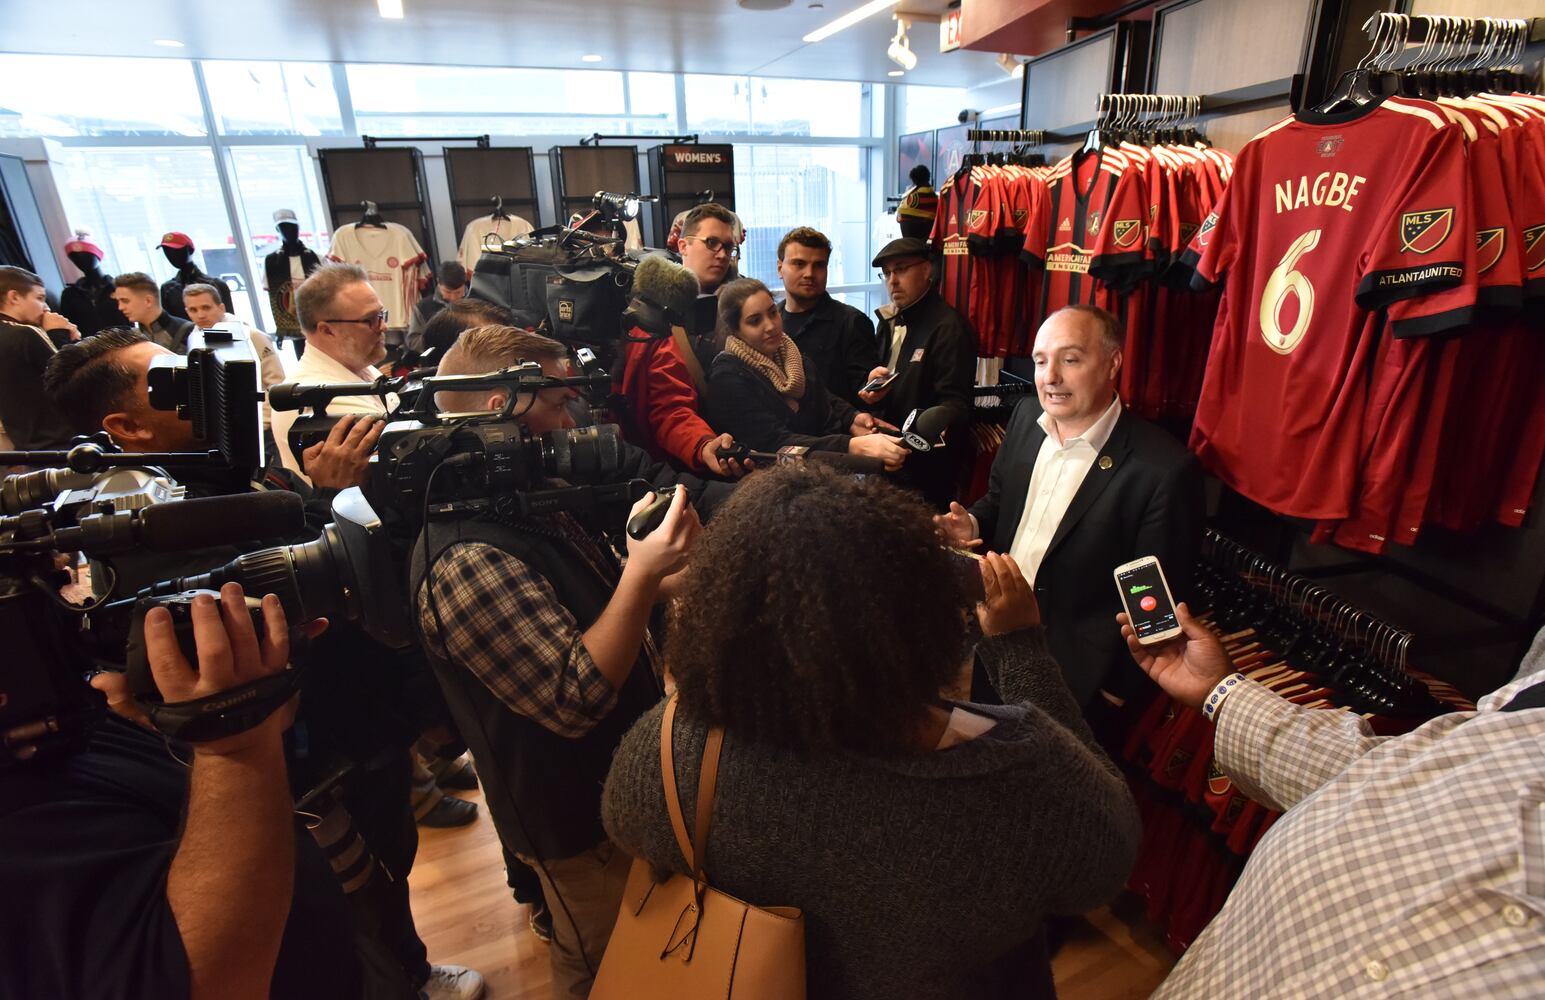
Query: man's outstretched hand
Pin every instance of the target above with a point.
(1188, 666)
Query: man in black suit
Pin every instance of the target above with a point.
(932, 351)
(1079, 487)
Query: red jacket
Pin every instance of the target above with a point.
(662, 402)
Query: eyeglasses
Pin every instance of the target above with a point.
(716, 246)
(886, 272)
(375, 321)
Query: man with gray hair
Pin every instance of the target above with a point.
(345, 328)
(1080, 486)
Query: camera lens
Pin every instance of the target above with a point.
(582, 454)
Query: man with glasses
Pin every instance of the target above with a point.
(662, 383)
(345, 329)
(931, 351)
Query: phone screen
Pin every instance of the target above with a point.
(1147, 600)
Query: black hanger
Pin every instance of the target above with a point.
(371, 216)
(1353, 90)
(499, 212)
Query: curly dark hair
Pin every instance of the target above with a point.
(823, 612)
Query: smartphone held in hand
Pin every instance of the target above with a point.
(1149, 604)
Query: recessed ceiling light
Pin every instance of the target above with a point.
(168, 43)
(590, 57)
(849, 19)
(390, 8)
(897, 72)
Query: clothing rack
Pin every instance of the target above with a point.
(370, 141)
(1338, 616)
(1392, 32)
(597, 138)
(1017, 136)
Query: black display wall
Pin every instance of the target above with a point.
(683, 174)
(477, 176)
(392, 178)
(580, 171)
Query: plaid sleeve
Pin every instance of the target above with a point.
(1279, 753)
(502, 621)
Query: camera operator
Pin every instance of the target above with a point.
(143, 867)
(366, 707)
(345, 327)
(543, 652)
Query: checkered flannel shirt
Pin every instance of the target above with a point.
(1406, 866)
(502, 620)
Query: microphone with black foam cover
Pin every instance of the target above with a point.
(184, 525)
(924, 429)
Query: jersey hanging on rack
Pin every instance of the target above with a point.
(393, 261)
(507, 228)
(963, 236)
(1342, 241)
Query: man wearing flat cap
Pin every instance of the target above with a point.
(931, 351)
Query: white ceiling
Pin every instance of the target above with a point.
(692, 36)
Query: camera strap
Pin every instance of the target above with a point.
(234, 710)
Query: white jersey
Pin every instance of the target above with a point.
(507, 228)
(393, 261)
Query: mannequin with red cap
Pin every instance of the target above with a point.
(179, 248)
(88, 303)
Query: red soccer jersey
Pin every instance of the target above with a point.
(963, 235)
(1331, 225)
(1089, 241)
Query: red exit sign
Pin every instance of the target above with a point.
(949, 31)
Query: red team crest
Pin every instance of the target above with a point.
(1329, 146)
(1425, 231)
(1126, 231)
(1489, 244)
(1092, 225)
(1534, 248)
(391, 262)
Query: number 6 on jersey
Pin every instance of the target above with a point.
(1284, 280)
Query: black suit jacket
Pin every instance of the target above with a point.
(1148, 502)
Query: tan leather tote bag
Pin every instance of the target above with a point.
(682, 939)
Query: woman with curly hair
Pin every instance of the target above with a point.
(925, 839)
(758, 392)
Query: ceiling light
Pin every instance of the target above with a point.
(897, 72)
(168, 43)
(763, 4)
(590, 57)
(849, 19)
(390, 8)
(900, 51)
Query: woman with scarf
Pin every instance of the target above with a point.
(757, 390)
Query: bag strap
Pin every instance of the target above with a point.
(707, 783)
(689, 358)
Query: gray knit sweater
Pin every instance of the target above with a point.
(914, 871)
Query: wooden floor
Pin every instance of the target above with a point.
(466, 916)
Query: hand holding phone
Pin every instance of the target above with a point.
(879, 382)
(1149, 604)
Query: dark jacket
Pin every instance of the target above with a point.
(542, 789)
(189, 274)
(838, 345)
(424, 310)
(171, 332)
(936, 367)
(742, 402)
(88, 303)
(31, 421)
(1147, 501)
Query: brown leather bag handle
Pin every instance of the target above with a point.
(707, 783)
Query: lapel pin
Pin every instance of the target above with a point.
(1105, 462)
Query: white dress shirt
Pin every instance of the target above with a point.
(1060, 468)
(316, 367)
(1405, 866)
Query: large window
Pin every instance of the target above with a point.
(267, 98)
(740, 105)
(268, 178)
(449, 100)
(129, 198)
(54, 96)
(931, 107)
(780, 187)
